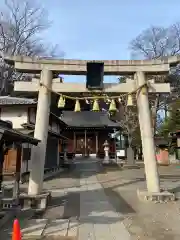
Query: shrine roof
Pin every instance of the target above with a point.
(8, 100)
(9, 134)
(88, 119)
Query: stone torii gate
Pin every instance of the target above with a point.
(47, 67)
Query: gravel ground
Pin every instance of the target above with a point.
(145, 221)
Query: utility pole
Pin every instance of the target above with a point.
(38, 153)
(151, 170)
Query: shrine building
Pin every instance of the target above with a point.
(87, 131)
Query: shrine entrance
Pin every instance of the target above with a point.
(86, 145)
(88, 131)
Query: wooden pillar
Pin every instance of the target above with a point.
(85, 142)
(97, 145)
(17, 173)
(58, 150)
(1, 164)
(74, 142)
(114, 154)
(178, 146)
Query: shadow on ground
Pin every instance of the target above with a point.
(67, 206)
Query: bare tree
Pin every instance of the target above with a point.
(155, 43)
(129, 122)
(21, 25)
(128, 117)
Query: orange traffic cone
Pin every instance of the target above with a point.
(16, 235)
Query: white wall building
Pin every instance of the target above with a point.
(21, 112)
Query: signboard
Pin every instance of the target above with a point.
(120, 153)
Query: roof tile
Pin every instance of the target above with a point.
(7, 100)
(87, 119)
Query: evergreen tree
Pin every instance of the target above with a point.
(172, 122)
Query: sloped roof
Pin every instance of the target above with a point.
(13, 135)
(28, 126)
(7, 100)
(87, 119)
(162, 140)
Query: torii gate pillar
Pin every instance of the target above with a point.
(78, 67)
(147, 138)
(38, 154)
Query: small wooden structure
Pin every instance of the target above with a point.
(11, 141)
(87, 131)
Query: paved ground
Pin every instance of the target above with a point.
(144, 221)
(92, 202)
(98, 218)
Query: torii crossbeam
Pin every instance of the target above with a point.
(47, 67)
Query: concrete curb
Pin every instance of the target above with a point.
(47, 174)
(157, 197)
(52, 173)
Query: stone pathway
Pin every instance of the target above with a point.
(79, 210)
(93, 203)
(98, 219)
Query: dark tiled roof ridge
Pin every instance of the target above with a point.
(87, 119)
(9, 100)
